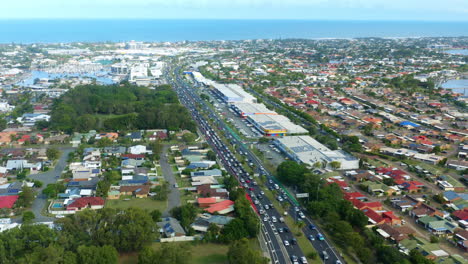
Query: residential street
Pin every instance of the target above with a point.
(48, 177)
(173, 199)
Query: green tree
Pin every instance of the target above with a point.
(211, 155)
(189, 138)
(241, 253)
(26, 197)
(97, 255)
(52, 153)
(104, 142)
(103, 188)
(290, 172)
(156, 215)
(335, 165)
(28, 216)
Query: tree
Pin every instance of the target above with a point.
(103, 188)
(186, 214)
(189, 138)
(263, 140)
(241, 253)
(436, 150)
(52, 153)
(53, 189)
(335, 164)
(291, 172)
(156, 215)
(104, 142)
(26, 197)
(211, 155)
(97, 255)
(169, 253)
(28, 216)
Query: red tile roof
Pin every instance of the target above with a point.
(220, 206)
(85, 201)
(461, 214)
(376, 217)
(353, 195)
(8, 201)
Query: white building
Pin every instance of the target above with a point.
(307, 150)
(231, 93)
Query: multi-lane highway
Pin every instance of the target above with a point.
(280, 240)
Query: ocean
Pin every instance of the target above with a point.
(117, 30)
(458, 86)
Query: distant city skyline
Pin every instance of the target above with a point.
(399, 10)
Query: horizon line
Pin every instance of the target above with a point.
(227, 19)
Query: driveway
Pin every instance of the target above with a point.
(48, 177)
(173, 199)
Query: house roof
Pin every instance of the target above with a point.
(85, 201)
(206, 200)
(8, 201)
(220, 206)
(137, 189)
(354, 195)
(461, 214)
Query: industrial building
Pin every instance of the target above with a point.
(231, 93)
(307, 150)
(275, 125)
(247, 109)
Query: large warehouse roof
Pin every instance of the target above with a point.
(253, 109)
(277, 122)
(310, 151)
(234, 92)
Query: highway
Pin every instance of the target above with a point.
(274, 232)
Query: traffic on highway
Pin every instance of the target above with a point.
(279, 239)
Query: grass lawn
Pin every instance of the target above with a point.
(159, 170)
(144, 203)
(201, 254)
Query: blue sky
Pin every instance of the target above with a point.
(430, 10)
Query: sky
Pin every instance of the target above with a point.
(425, 10)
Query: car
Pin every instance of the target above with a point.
(280, 230)
(311, 226)
(266, 206)
(320, 237)
(296, 208)
(59, 216)
(294, 241)
(273, 219)
(301, 215)
(294, 258)
(262, 192)
(286, 243)
(338, 262)
(303, 260)
(265, 218)
(311, 237)
(285, 229)
(256, 202)
(261, 211)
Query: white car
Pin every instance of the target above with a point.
(286, 243)
(273, 219)
(303, 260)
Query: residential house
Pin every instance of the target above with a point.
(115, 151)
(395, 233)
(223, 207)
(139, 191)
(207, 190)
(86, 202)
(202, 222)
(170, 227)
(138, 149)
